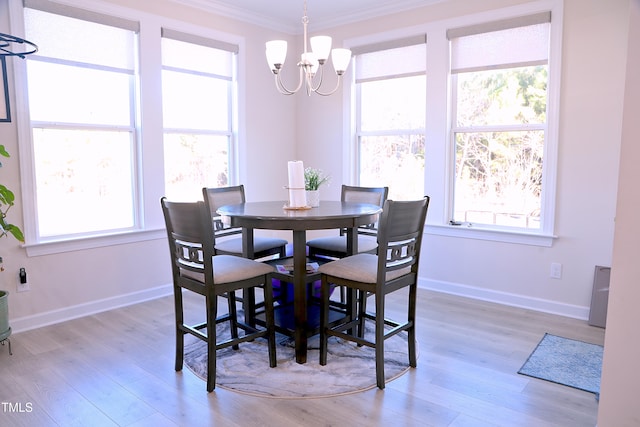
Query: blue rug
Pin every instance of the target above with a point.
(565, 361)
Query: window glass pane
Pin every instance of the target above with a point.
(194, 102)
(190, 56)
(193, 162)
(83, 181)
(393, 104)
(502, 97)
(68, 94)
(499, 178)
(59, 36)
(396, 161)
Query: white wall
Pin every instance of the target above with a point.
(620, 376)
(279, 128)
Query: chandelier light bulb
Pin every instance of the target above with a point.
(321, 47)
(340, 59)
(276, 52)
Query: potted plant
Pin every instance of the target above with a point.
(313, 179)
(6, 201)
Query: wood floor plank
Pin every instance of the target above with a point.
(116, 368)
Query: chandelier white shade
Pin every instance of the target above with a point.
(311, 63)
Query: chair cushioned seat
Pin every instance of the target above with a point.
(339, 243)
(260, 244)
(231, 268)
(359, 268)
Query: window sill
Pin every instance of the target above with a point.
(506, 236)
(91, 242)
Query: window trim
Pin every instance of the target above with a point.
(439, 163)
(133, 128)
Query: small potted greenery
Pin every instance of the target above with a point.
(313, 179)
(6, 201)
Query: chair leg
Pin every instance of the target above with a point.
(324, 318)
(249, 306)
(379, 340)
(212, 313)
(233, 316)
(177, 297)
(269, 317)
(413, 289)
(362, 311)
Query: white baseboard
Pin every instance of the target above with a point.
(26, 323)
(513, 300)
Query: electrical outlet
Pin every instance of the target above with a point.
(23, 283)
(556, 270)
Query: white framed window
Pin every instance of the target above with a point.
(490, 111)
(499, 75)
(390, 84)
(90, 176)
(198, 93)
(82, 106)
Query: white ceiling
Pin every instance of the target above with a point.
(286, 15)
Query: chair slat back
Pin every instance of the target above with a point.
(370, 195)
(190, 238)
(220, 196)
(400, 235)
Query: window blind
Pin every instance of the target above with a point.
(516, 42)
(85, 15)
(199, 40)
(393, 58)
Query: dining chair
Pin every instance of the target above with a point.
(394, 267)
(225, 238)
(336, 246)
(195, 268)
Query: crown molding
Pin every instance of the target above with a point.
(318, 23)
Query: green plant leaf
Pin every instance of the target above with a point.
(6, 196)
(6, 201)
(15, 231)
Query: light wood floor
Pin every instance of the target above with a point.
(116, 368)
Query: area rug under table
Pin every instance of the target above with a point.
(565, 361)
(349, 368)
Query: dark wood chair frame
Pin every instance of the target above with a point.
(400, 240)
(348, 194)
(190, 237)
(221, 231)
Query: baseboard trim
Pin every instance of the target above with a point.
(26, 323)
(39, 320)
(505, 298)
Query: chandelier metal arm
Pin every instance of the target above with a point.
(332, 91)
(283, 89)
(310, 78)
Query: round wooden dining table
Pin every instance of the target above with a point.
(275, 215)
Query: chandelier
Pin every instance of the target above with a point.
(311, 63)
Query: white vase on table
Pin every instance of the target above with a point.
(313, 198)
